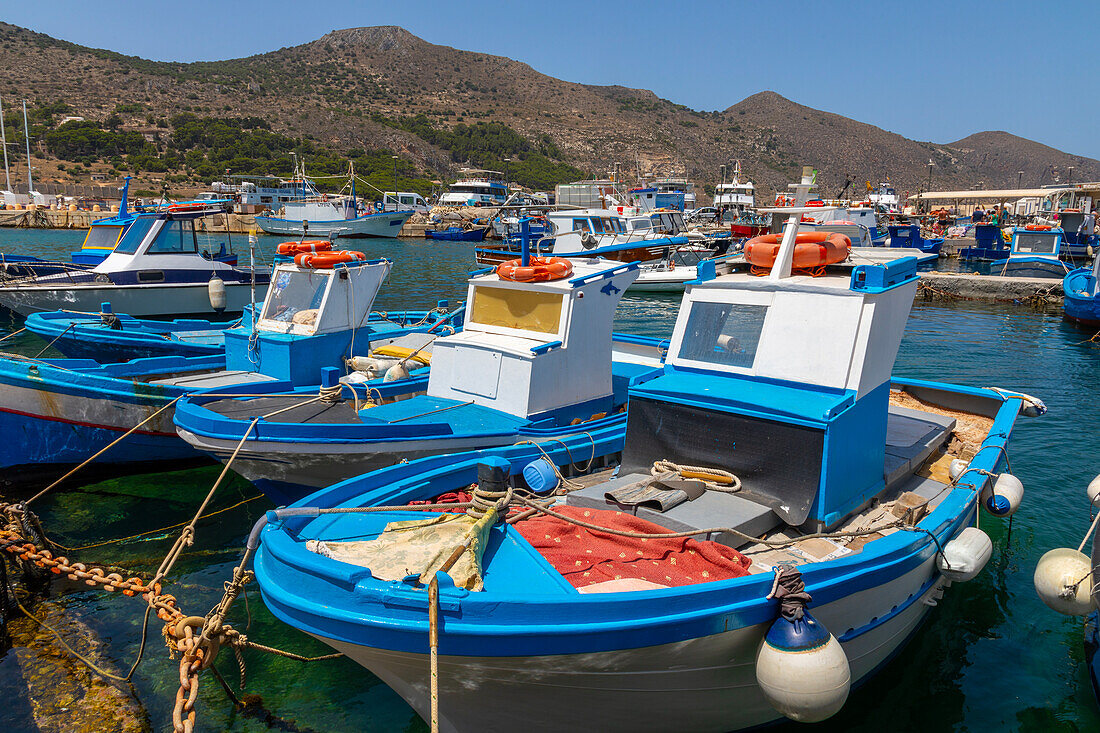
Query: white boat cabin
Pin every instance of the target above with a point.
(158, 243)
(528, 349)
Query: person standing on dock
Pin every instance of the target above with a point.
(978, 214)
(1084, 232)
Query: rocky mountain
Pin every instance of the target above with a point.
(362, 88)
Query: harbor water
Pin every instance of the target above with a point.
(990, 657)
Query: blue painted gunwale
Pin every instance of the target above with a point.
(1083, 309)
(359, 609)
(144, 338)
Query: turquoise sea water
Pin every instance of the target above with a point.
(991, 657)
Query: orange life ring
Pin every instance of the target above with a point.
(540, 270)
(327, 260)
(811, 250)
(297, 248)
(192, 206)
(1071, 211)
(815, 202)
(1038, 227)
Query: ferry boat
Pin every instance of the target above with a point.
(736, 196)
(830, 508)
(162, 266)
(476, 188)
(1036, 252)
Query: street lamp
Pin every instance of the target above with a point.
(1069, 173)
(1019, 179)
(394, 182)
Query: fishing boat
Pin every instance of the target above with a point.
(101, 239)
(322, 215)
(909, 236)
(1036, 252)
(534, 361)
(1082, 295)
(163, 266)
(109, 337)
(57, 412)
(623, 234)
(830, 507)
(735, 196)
(988, 244)
(457, 234)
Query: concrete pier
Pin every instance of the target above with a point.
(989, 288)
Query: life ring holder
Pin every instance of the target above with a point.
(539, 270)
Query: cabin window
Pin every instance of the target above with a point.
(597, 225)
(102, 237)
(175, 237)
(295, 297)
(525, 310)
(1041, 244)
(723, 333)
(135, 235)
(580, 225)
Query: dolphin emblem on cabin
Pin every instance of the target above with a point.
(610, 289)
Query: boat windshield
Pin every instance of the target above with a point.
(723, 333)
(175, 237)
(520, 309)
(102, 237)
(295, 297)
(135, 235)
(1036, 243)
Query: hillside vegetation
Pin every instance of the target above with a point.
(366, 94)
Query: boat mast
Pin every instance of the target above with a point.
(27, 136)
(4, 143)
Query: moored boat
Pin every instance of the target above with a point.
(819, 484)
(57, 412)
(534, 361)
(1036, 252)
(1082, 295)
(457, 234)
(162, 266)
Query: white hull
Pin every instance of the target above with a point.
(136, 300)
(669, 281)
(375, 225)
(702, 684)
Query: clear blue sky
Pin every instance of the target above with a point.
(928, 69)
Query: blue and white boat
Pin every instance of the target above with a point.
(774, 435)
(534, 361)
(56, 412)
(108, 337)
(323, 216)
(1036, 252)
(988, 244)
(1082, 295)
(163, 266)
(102, 238)
(908, 236)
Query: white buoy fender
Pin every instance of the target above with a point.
(1003, 498)
(957, 468)
(372, 364)
(395, 373)
(216, 290)
(1063, 582)
(1093, 492)
(965, 556)
(802, 670)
